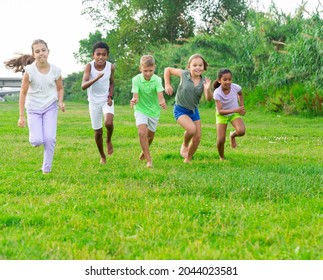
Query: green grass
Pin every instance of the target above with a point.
(264, 202)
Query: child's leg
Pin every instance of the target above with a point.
(151, 136)
(98, 136)
(240, 130)
(144, 142)
(221, 131)
(49, 130)
(35, 126)
(195, 141)
(96, 121)
(108, 122)
(190, 130)
(108, 112)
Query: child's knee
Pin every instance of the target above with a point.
(108, 124)
(142, 133)
(36, 142)
(240, 132)
(191, 131)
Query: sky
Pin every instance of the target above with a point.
(61, 25)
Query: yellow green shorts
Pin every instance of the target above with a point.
(226, 119)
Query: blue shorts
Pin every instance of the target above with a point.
(180, 111)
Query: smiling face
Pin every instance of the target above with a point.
(225, 81)
(196, 66)
(100, 56)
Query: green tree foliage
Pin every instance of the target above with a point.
(144, 22)
(215, 13)
(72, 87)
(84, 55)
(277, 58)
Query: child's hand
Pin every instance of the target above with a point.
(168, 90)
(241, 110)
(21, 122)
(162, 103)
(109, 100)
(207, 83)
(133, 102)
(61, 105)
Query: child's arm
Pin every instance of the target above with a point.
(221, 111)
(134, 99)
(240, 98)
(86, 82)
(241, 103)
(60, 93)
(207, 89)
(161, 100)
(22, 100)
(167, 73)
(111, 89)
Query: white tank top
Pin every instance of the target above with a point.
(98, 92)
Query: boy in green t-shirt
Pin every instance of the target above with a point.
(147, 100)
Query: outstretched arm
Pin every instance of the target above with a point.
(167, 74)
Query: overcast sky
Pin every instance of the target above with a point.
(61, 25)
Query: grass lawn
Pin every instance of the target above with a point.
(263, 202)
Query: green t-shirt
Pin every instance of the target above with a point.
(148, 103)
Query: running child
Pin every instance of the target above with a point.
(147, 101)
(229, 109)
(189, 92)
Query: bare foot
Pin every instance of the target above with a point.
(186, 160)
(184, 151)
(222, 158)
(149, 164)
(142, 156)
(110, 148)
(233, 140)
(103, 160)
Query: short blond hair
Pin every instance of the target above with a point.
(147, 60)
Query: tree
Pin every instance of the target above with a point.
(215, 13)
(142, 22)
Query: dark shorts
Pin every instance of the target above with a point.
(180, 111)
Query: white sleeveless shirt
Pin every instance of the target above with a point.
(99, 91)
(42, 91)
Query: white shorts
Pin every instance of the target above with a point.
(149, 121)
(96, 112)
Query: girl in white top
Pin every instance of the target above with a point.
(41, 88)
(229, 108)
